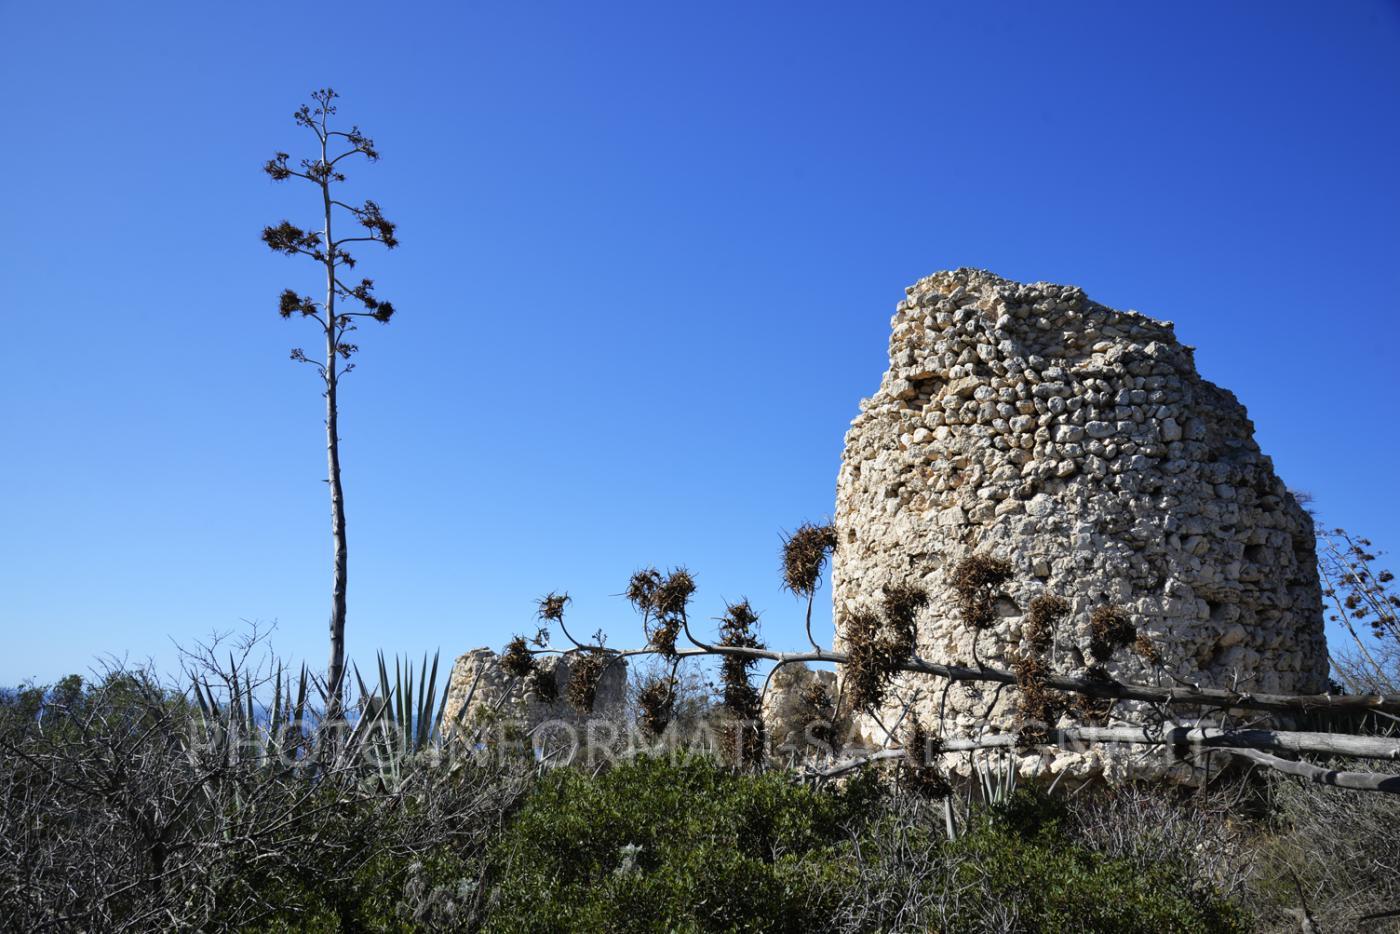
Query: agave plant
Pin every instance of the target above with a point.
(997, 783)
(401, 716)
(398, 721)
(237, 728)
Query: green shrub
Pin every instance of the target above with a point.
(688, 845)
(1021, 856)
(680, 845)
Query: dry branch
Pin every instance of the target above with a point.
(1356, 781)
(1179, 695)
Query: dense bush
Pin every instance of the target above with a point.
(690, 846)
(125, 806)
(1039, 878)
(687, 845)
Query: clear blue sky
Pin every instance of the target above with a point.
(650, 251)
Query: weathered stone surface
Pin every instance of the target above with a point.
(1078, 442)
(497, 691)
(794, 729)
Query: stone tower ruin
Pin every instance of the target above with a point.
(1028, 423)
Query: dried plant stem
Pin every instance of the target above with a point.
(1180, 695)
(1356, 781)
(811, 638)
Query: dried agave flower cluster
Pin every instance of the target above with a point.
(656, 700)
(1094, 710)
(519, 662)
(1046, 611)
(1362, 598)
(918, 772)
(878, 643)
(642, 587)
(517, 659)
(588, 667)
(868, 669)
(1360, 592)
(542, 682)
(902, 605)
(552, 607)
(1110, 629)
(743, 727)
(662, 600)
(804, 554)
(1040, 706)
(1145, 650)
(977, 581)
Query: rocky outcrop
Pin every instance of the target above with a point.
(1028, 423)
(480, 683)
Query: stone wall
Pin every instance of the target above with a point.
(796, 728)
(1029, 423)
(498, 693)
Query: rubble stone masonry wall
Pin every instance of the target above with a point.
(1029, 423)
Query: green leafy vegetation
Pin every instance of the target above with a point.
(684, 845)
(687, 845)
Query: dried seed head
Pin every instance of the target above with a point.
(517, 660)
(871, 659)
(920, 747)
(736, 625)
(980, 572)
(736, 630)
(1095, 710)
(1146, 650)
(1040, 706)
(977, 582)
(918, 773)
(662, 601)
(863, 674)
(1109, 630)
(552, 606)
(818, 711)
(672, 595)
(804, 555)
(544, 685)
(655, 698)
(742, 726)
(743, 740)
(1045, 613)
(587, 670)
(661, 635)
(902, 605)
(641, 589)
(877, 645)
